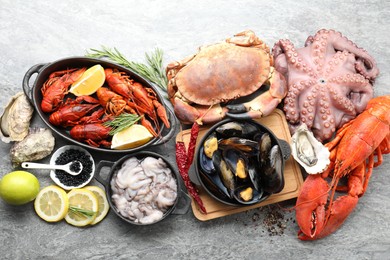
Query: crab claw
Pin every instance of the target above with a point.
(263, 104)
(189, 114)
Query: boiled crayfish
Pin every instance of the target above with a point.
(94, 134)
(141, 99)
(86, 114)
(352, 156)
(56, 87)
(72, 112)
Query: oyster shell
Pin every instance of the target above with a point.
(311, 154)
(38, 144)
(15, 118)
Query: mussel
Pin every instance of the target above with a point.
(209, 174)
(248, 195)
(206, 164)
(265, 145)
(237, 163)
(227, 177)
(241, 163)
(210, 145)
(272, 171)
(241, 144)
(237, 129)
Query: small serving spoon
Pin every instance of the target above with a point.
(65, 167)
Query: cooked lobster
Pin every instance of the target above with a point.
(352, 156)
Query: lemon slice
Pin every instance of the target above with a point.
(51, 203)
(83, 207)
(102, 201)
(92, 79)
(131, 137)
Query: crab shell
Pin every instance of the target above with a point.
(221, 72)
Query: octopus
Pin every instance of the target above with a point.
(330, 81)
(143, 190)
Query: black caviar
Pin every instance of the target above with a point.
(74, 155)
(75, 166)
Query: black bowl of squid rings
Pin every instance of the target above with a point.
(241, 162)
(143, 188)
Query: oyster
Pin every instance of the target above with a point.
(15, 118)
(311, 154)
(38, 144)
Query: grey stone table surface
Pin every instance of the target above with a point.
(33, 32)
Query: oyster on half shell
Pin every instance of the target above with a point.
(15, 118)
(38, 144)
(311, 154)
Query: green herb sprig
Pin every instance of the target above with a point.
(82, 212)
(153, 71)
(121, 122)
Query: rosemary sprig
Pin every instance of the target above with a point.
(122, 122)
(82, 212)
(153, 70)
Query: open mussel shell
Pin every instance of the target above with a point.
(242, 129)
(248, 195)
(210, 177)
(239, 151)
(206, 163)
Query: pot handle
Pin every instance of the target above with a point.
(183, 204)
(286, 149)
(171, 130)
(98, 176)
(26, 79)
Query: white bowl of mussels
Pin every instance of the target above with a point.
(241, 162)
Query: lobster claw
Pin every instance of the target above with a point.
(310, 207)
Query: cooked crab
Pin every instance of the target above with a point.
(224, 72)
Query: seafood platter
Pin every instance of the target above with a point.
(274, 124)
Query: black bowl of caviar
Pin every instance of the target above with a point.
(67, 154)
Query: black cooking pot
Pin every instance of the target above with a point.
(182, 201)
(44, 70)
(211, 181)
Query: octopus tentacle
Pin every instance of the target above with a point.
(365, 63)
(291, 102)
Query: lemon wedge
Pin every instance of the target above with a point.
(92, 79)
(51, 203)
(102, 201)
(83, 207)
(131, 137)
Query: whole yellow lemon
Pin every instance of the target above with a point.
(19, 187)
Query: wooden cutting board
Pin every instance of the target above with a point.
(277, 123)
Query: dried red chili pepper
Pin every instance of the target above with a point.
(192, 144)
(184, 161)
